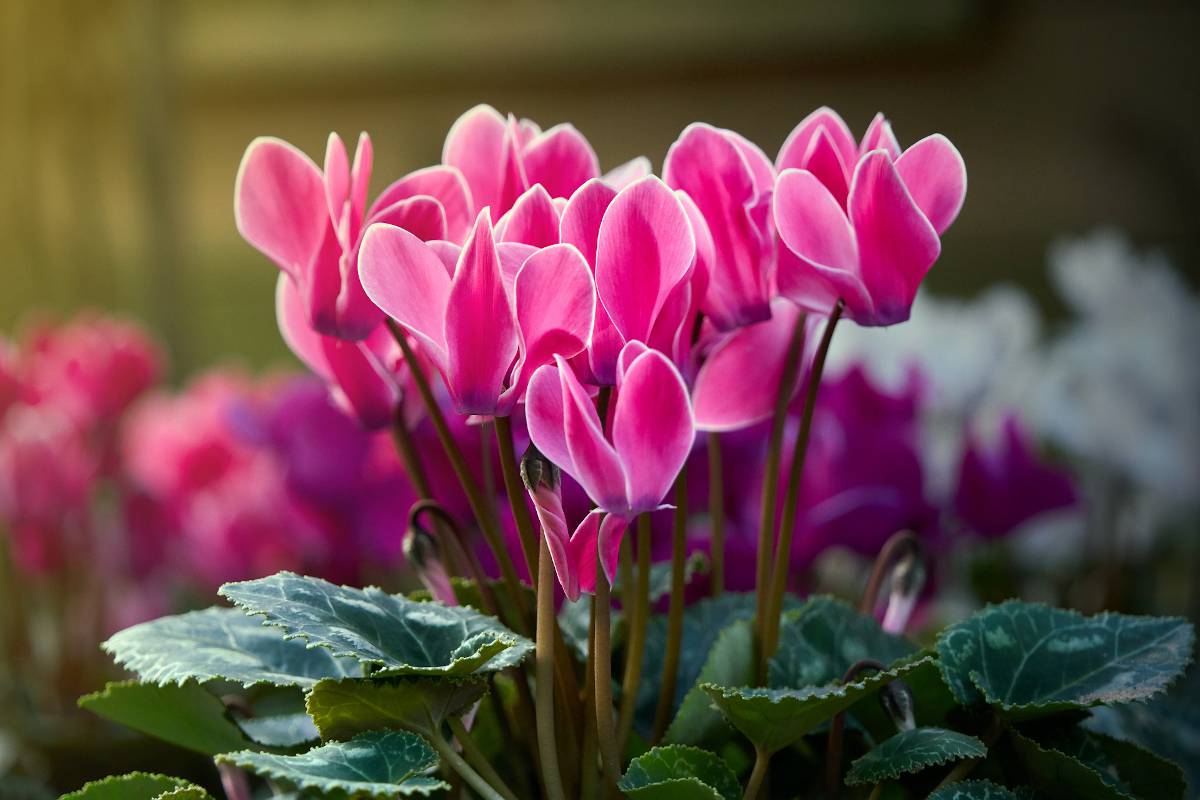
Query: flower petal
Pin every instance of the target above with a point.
(279, 204)
(446, 185)
(596, 465)
(546, 418)
(512, 257)
(608, 546)
(481, 331)
(337, 183)
(359, 383)
(561, 160)
(653, 429)
(360, 180)
(483, 146)
(547, 503)
(420, 215)
(645, 248)
(580, 224)
(936, 177)
(879, 136)
(533, 220)
(896, 243)
(582, 551)
(294, 327)
(825, 162)
(408, 281)
(793, 154)
(631, 171)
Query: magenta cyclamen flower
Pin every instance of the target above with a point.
(627, 472)
(485, 333)
(310, 223)
(862, 221)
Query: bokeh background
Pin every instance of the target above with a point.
(123, 121)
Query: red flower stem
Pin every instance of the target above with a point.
(666, 695)
(791, 502)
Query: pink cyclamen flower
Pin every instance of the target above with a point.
(730, 181)
(627, 472)
(862, 222)
(485, 333)
(310, 222)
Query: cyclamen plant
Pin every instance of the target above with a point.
(612, 317)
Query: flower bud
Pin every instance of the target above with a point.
(422, 550)
(538, 471)
(897, 700)
(908, 578)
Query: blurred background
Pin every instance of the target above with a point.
(123, 121)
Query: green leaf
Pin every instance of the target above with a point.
(775, 718)
(185, 793)
(679, 773)
(1126, 767)
(696, 565)
(1079, 773)
(280, 731)
(913, 751)
(132, 786)
(973, 790)
(388, 631)
(823, 638)
(221, 643)
(186, 714)
(379, 764)
(468, 594)
(730, 662)
(574, 620)
(342, 709)
(1029, 659)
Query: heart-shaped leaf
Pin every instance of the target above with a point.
(379, 764)
(1126, 769)
(823, 638)
(775, 718)
(730, 662)
(133, 786)
(676, 772)
(1028, 659)
(912, 751)
(221, 643)
(342, 709)
(397, 635)
(973, 790)
(184, 714)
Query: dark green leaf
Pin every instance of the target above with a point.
(1029, 660)
(696, 565)
(342, 709)
(1077, 774)
(389, 631)
(221, 643)
(183, 714)
(973, 790)
(280, 731)
(823, 638)
(679, 773)
(379, 764)
(912, 751)
(730, 662)
(133, 786)
(775, 718)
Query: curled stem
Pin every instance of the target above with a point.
(639, 618)
(544, 654)
(606, 734)
(897, 546)
(666, 696)
(716, 512)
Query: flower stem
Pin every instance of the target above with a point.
(515, 490)
(546, 623)
(410, 457)
(587, 757)
(459, 765)
(477, 759)
(770, 488)
(479, 504)
(639, 618)
(716, 513)
(606, 735)
(791, 503)
(762, 759)
(666, 692)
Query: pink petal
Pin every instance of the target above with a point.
(645, 248)
(279, 204)
(711, 167)
(706, 253)
(793, 154)
(561, 160)
(360, 179)
(808, 287)
(936, 177)
(580, 224)
(596, 465)
(583, 551)
(446, 185)
(448, 253)
(482, 146)
(337, 184)
(738, 383)
(672, 331)
(421, 215)
(896, 243)
(652, 428)
(825, 162)
(408, 281)
(629, 353)
(548, 505)
(533, 220)
(512, 257)
(481, 331)
(761, 168)
(555, 303)
(298, 335)
(631, 171)
(546, 418)
(608, 546)
(879, 136)
(360, 384)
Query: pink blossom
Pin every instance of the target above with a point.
(862, 223)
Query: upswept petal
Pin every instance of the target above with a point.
(793, 154)
(631, 171)
(298, 335)
(761, 168)
(583, 551)
(653, 429)
(548, 505)
(561, 160)
(421, 215)
(279, 204)
(512, 257)
(483, 147)
(408, 282)
(446, 185)
(532, 220)
(629, 353)
(896, 243)
(359, 384)
(337, 186)
(936, 177)
(545, 417)
(705, 249)
(645, 248)
(710, 166)
(825, 162)
(448, 253)
(580, 223)
(739, 381)
(597, 467)
(481, 330)
(608, 547)
(360, 181)
(321, 285)
(879, 136)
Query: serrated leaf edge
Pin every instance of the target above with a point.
(947, 758)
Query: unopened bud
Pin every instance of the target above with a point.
(908, 579)
(538, 471)
(897, 700)
(422, 550)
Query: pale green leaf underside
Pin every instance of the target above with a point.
(973, 790)
(186, 714)
(676, 772)
(397, 635)
(221, 643)
(1030, 659)
(913, 751)
(134, 786)
(342, 709)
(380, 764)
